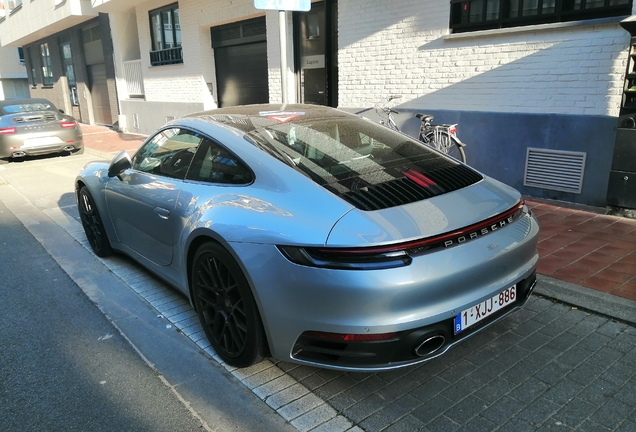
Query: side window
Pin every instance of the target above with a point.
(168, 153)
(45, 57)
(214, 164)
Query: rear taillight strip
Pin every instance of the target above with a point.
(7, 131)
(488, 225)
(395, 255)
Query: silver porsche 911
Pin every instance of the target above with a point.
(315, 236)
(34, 126)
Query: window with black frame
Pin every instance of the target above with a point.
(472, 15)
(45, 58)
(165, 31)
(32, 67)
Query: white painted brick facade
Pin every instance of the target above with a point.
(188, 82)
(403, 47)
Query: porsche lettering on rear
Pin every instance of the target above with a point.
(480, 233)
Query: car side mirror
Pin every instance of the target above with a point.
(120, 163)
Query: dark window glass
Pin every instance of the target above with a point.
(45, 58)
(215, 164)
(334, 149)
(168, 153)
(36, 105)
(14, 4)
(165, 31)
(470, 15)
(32, 67)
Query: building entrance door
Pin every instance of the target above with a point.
(69, 72)
(316, 53)
(97, 77)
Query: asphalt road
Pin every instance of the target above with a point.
(63, 366)
(64, 362)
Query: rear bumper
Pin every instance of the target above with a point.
(413, 302)
(15, 150)
(14, 145)
(404, 348)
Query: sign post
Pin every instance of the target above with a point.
(282, 18)
(282, 6)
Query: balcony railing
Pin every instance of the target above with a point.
(166, 56)
(133, 77)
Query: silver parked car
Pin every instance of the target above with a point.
(315, 236)
(35, 126)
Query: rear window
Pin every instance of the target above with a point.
(334, 149)
(27, 107)
(364, 163)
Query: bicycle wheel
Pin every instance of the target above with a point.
(446, 144)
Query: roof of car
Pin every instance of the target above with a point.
(250, 117)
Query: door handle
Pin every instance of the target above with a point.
(162, 212)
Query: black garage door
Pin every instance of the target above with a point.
(240, 53)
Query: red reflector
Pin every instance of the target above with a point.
(7, 131)
(70, 141)
(68, 124)
(350, 337)
(419, 178)
(452, 130)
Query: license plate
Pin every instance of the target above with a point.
(42, 141)
(484, 309)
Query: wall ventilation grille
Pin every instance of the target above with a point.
(555, 170)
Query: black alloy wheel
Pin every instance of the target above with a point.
(92, 223)
(226, 307)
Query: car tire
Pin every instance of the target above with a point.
(77, 152)
(226, 307)
(92, 223)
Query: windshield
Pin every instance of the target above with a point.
(28, 107)
(334, 149)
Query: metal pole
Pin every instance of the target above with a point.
(283, 53)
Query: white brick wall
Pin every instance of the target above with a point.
(403, 47)
(188, 82)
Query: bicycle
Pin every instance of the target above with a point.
(442, 137)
